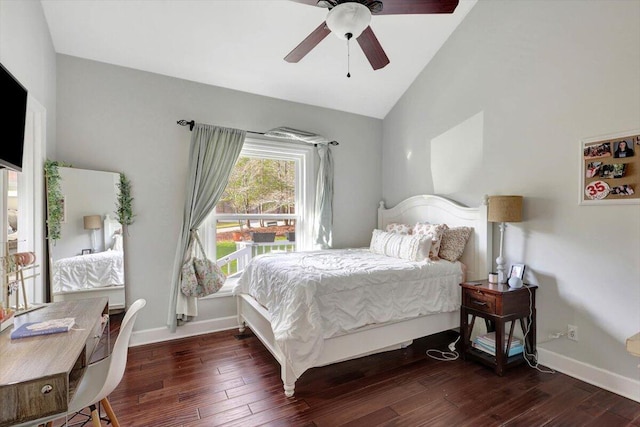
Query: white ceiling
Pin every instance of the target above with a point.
(240, 44)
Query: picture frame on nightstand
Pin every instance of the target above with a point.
(517, 270)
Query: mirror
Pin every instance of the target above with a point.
(86, 250)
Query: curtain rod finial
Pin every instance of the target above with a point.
(185, 122)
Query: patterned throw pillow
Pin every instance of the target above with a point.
(396, 227)
(453, 243)
(435, 231)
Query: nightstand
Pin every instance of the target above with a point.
(499, 305)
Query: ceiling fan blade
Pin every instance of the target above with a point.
(309, 43)
(417, 7)
(309, 2)
(372, 49)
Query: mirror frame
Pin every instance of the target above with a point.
(57, 211)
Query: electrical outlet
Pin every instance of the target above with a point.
(572, 332)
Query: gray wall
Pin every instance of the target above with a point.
(502, 110)
(123, 120)
(27, 51)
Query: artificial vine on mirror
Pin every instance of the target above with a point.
(124, 209)
(55, 198)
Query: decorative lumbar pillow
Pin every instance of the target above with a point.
(453, 243)
(412, 248)
(378, 241)
(435, 231)
(396, 227)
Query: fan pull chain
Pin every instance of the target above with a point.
(349, 35)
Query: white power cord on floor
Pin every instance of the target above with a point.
(526, 355)
(445, 356)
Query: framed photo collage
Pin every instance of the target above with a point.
(610, 172)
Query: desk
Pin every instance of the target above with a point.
(39, 375)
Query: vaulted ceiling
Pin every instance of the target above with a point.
(240, 44)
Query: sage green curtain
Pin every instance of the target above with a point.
(323, 209)
(323, 215)
(213, 153)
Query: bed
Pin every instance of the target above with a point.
(365, 333)
(93, 275)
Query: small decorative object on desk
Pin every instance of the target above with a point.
(32, 329)
(6, 318)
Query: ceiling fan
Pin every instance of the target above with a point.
(350, 19)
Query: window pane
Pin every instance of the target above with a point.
(260, 186)
(262, 193)
(241, 245)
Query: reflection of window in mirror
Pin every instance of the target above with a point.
(9, 206)
(9, 203)
(12, 211)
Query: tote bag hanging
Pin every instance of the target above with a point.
(200, 276)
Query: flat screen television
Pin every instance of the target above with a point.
(13, 99)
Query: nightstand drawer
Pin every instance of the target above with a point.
(480, 301)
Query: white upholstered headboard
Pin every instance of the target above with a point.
(439, 210)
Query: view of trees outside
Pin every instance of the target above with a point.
(260, 186)
(256, 186)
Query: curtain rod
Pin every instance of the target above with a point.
(192, 123)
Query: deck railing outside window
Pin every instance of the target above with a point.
(236, 246)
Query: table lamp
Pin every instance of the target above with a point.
(93, 223)
(504, 209)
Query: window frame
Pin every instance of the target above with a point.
(304, 158)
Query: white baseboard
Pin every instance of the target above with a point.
(598, 377)
(150, 336)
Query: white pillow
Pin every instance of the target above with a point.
(412, 248)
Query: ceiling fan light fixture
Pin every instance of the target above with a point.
(348, 18)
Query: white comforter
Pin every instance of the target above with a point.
(316, 295)
(88, 271)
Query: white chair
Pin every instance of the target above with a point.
(102, 377)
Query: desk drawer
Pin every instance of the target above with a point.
(34, 399)
(480, 301)
(94, 339)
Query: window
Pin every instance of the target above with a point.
(270, 191)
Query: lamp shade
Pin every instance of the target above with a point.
(92, 222)
(505, 208)
(348, 18)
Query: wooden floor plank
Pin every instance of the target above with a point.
(219, 380)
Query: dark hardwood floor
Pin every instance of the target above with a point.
(222, 380)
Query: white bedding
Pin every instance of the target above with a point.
(316, 295)
(88, 271)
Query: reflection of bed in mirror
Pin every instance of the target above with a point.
(97, 274)
(88, 258)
